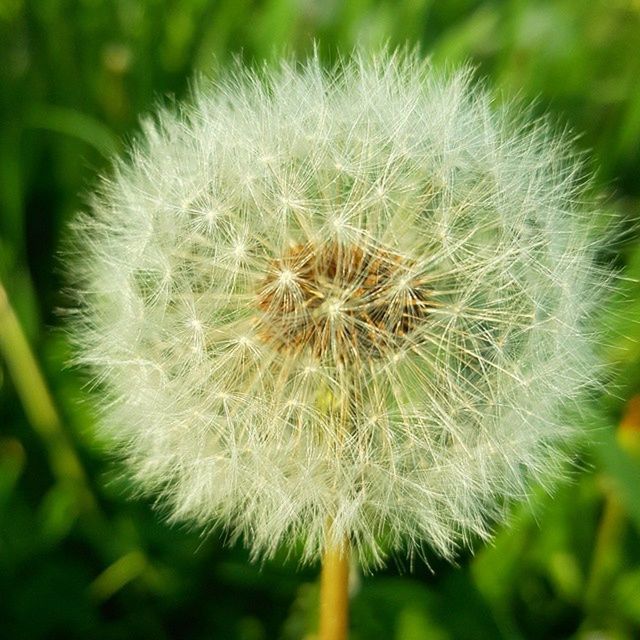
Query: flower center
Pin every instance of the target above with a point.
(345, 302)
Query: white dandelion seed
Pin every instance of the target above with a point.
(357, 296)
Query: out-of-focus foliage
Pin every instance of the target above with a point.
(77, 557)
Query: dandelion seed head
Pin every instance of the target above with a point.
(359, 296)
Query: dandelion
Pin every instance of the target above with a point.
(341, 309)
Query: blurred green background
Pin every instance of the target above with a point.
(78, 557)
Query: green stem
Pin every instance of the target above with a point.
(38, 403)
(65, 463)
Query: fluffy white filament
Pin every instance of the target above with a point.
(355, 297)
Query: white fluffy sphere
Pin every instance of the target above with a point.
(346, 304)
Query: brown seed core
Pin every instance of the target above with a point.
(341, 301)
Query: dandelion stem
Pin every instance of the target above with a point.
(334, 593)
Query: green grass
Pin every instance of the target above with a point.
(78, 558)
